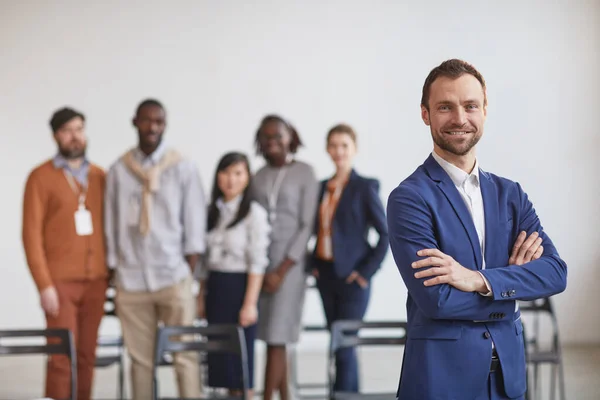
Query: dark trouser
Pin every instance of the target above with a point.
(225, 293)
(342, 301)
(81, 308)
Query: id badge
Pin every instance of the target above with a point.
(83, 222)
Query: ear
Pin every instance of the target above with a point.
(425, 115)
(134, 122)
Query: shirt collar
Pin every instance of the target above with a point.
(231, 206)
(458, 176)
(156, 155)
(59, 161)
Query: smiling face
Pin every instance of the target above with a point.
(275, 140)
(341, 149)
(233, 180)
(455, 114)
(150, 123)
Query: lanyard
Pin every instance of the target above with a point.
(273, 194)
(80, 193)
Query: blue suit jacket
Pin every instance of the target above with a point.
(447, 354)
(358, 209)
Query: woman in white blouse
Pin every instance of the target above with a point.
(231, 272)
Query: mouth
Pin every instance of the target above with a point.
(457, 133)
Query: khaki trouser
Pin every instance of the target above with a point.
(81, 308)
(140, 313)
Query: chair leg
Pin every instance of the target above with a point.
(536, 381)
(293, 369)
(553, 382)
(121, 380)
(561, 377)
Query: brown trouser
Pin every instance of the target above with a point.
(140, 313)
(81, 307)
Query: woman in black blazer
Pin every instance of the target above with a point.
(343, 260)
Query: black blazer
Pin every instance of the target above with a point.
(359, 209)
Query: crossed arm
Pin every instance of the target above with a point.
(455, 292)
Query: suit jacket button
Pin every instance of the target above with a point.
(513, 292)
(486, 335)
(504, 294)
(502, 315)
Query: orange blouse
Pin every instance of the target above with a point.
(331, 198)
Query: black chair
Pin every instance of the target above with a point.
(112, 342)
(295, 383)
(535, 355)
(225, 338)
(58, 341)
(345, 334)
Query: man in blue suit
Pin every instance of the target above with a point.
(457, 235)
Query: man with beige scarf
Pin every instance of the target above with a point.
(155, 224)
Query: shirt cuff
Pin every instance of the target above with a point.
(487, 285)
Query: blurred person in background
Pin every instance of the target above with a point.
(63, 239)
(155, 231)
(287, 188)
(343, 261)
(232, 269)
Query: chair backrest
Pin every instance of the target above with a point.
(345, 333)
(536, 308)
(225, 338)
(58, 341)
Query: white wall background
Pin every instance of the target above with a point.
(220, 66)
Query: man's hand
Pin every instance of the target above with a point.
(526, 250)
(355, 276)
(272, 281)
(49, 300)
(444, 269)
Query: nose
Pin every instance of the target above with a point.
(460, 117)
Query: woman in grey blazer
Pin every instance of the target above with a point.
(288, 190)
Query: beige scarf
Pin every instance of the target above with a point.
(150, 178)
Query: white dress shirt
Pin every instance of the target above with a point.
(468, 185)
(241, 248)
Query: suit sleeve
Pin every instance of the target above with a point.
(34, 214)
(308, 207)
(540, 278)
(411, 229)
(111, 217)
(376, 217)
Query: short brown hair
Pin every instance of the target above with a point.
(342, 128)
(452, 69)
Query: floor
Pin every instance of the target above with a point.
(21, 377)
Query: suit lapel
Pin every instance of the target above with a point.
(491, 210)
(437, 173)
(346, 196)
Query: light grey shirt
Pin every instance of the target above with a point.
(178, 223)
(240, 248)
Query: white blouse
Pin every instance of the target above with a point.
(241, 248)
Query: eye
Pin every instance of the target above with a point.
(444, 108)
(472, 106)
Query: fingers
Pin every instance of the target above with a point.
(438, 280)
(429, 262)
(538, 253)
(431, 252)
(362, 282)
(517, 246)
(532, 250)
(351, 277)
(432, 272)
(530, 241)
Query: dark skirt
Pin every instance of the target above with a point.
(225, 292)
